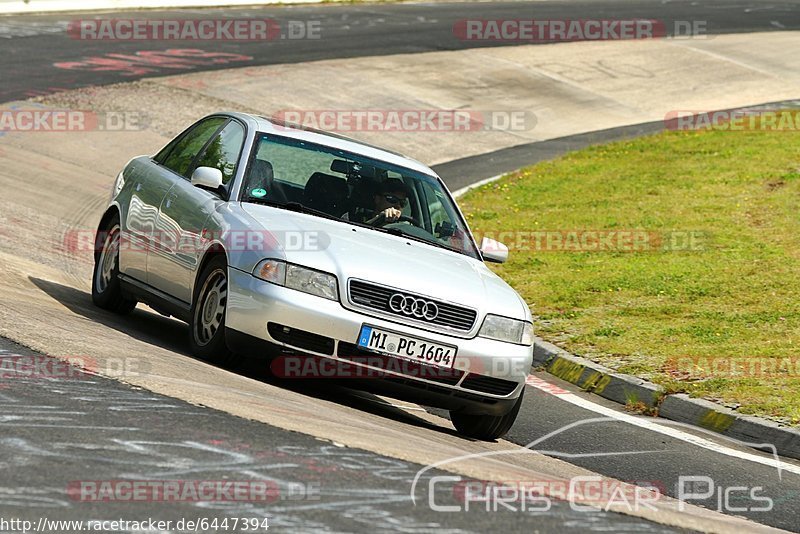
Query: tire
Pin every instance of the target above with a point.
(209, 305)
(106, 288)
(486, 427)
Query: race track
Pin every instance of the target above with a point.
(167, 409)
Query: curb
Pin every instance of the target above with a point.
(756, 432)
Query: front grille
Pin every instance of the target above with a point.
(377, 298)
(354, 353)
(488, 384)
(300, 338)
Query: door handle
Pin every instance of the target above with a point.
(138, 186)
(170, 198)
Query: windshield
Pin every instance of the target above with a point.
(356, 190)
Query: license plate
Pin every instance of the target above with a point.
(407, 347)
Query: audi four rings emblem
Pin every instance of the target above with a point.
(414, 307)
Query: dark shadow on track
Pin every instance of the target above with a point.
(170, 334)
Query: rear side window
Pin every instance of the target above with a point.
(183, 153)
(223, 151)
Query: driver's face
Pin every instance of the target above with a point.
(395, 199)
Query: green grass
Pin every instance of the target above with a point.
(734, 294)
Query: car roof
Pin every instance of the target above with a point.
(295, 131)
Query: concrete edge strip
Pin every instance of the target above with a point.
(631, 391)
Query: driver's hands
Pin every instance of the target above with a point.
(392, 214)
(386, 216)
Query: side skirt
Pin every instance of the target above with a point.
(158, 300)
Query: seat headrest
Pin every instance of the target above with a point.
(326, 193)
(262, 170)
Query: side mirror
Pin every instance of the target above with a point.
(493, 251)
(208, 177)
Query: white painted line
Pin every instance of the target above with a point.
(722, 57)
(457, 193)
(650, 423)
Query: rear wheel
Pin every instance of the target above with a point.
(207, 336)
(106, 289)
(486, 427)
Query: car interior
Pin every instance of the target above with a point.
(350, 193)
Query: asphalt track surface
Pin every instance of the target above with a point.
(33, 44)
(40, 56)
(54, 427)
(105, 413)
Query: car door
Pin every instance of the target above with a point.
(141, 199)
(169, 167)
(184, 211)
(166, 169)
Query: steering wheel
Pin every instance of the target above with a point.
(382, 221)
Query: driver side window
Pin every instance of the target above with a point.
(223, 151)
(183, 153)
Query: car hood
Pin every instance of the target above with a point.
(350, 251)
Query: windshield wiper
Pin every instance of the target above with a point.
(400, 233)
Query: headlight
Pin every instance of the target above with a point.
(505, 329)
(313, 282)
(297, 277)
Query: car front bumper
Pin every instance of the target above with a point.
(487, 377)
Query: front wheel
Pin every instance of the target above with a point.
(486, 427)
(207, 336)
(106, 289)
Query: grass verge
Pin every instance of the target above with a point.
(672, 257)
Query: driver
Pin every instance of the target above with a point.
(391, 198)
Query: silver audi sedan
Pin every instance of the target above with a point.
(331, 257)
